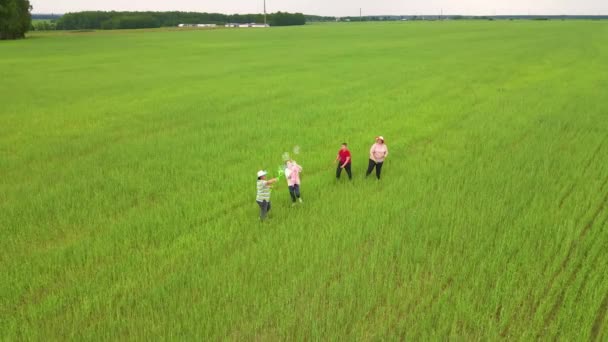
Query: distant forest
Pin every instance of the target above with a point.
(124, 20)
(132, 20)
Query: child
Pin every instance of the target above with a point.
(344, 161)
(292, 172)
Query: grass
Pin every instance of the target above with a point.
(128, 183)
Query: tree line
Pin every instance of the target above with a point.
(99, 20)
(15, 18)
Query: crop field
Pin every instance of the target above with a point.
(128, 165)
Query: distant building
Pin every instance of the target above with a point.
(197, 25)
(246, 25)
(258, 25)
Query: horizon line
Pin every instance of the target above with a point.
(338, 16)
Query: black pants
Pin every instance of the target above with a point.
(347, 168)
(264, 209)
(371, 166)
(294, 191)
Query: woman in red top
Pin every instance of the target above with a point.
(344, 160)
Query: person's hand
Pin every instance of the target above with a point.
(341, 166)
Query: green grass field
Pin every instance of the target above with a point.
(127, 183)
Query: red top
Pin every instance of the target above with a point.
(343, 155)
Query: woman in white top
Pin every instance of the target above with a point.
(264, 187)
(377, 154)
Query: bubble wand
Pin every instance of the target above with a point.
(281, 172)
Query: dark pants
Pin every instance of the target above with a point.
(347, 168)
(294, 191)
(264, 209)
(371, 166)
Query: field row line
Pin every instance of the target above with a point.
(568, 259)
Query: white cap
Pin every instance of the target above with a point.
(262, 173)
(381, 138)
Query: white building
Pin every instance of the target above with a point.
(197, 25)
(258, 25)
(246, 25)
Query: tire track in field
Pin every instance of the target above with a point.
(560, 298)
(573, 246)
(509, 320)
(603, 309)
(536, 303)
(563, 266)
(399, 283)
(592, 262)
(601, 313)
(599, 319)
(568, 259)
(449, 283)
(520, 139)
(587, 165)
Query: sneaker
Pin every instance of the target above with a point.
(299, 199)
(293, 204)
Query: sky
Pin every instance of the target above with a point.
(336, 7)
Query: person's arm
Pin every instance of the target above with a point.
(271, 181)
(338, 156)
(346, 162)
(371, 153)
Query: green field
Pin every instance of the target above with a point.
(127, 183)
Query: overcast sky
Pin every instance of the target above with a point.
(334, 7)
